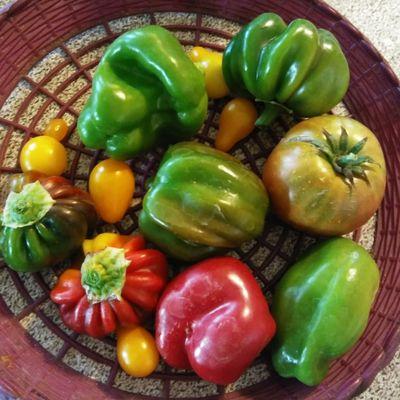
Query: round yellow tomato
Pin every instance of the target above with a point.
(57, 128)
(111, 185)
(43, 154)
(137, 352)
(210, 62)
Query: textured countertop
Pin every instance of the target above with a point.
(378, 20)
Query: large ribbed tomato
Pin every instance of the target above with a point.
(327, 176)
(115, 287)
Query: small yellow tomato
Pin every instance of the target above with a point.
(137, 352)
(43, 154)
(57, 128)
(237, 121)
(210, 62)
(111, 185)
(103, 240)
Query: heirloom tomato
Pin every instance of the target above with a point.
(327, 176)
(44, 221)
(115, 287)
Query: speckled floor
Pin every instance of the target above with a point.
(377, 19)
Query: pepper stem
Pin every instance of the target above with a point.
(103, 274)
(271, 111)
(27, 207)
(345, 160)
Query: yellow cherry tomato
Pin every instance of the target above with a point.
(111, 185)
(210, 62)
(57, 128)
(103, 240)
(137, 352)
(237, 121)
(43, 154)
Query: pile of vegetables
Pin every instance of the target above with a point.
(326, 177)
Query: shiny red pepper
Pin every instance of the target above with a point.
(115, 286)
(214, 319)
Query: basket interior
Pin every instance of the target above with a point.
(57, 84)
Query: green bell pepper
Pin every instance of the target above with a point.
(321, 307)
(201, 202)
(44, 222)
(297, 68)
(146, 91)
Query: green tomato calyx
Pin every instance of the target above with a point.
(103, 274)
(27, 207)
(345, 159)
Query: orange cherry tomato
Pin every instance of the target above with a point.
(111, 185)
(137, 352)
(43, 154)
(57, 128)
(210, 62)
(237, 121)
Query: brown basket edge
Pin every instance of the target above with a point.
(394, 340)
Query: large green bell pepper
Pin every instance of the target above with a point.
(146, 91)
(296, 67)
(321, 307)
(43, 222)
(202, 201)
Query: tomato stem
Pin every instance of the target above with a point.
(345, 160)
(27, 207)
(103, 274)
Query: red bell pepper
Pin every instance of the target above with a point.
(114, 287)
(214, 319)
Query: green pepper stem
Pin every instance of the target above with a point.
(271, 111)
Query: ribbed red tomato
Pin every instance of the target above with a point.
(113, 288)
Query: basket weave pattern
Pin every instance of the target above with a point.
(49, 52)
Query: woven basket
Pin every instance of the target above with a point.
(49, 50)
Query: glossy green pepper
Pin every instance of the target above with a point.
(44, 221)
(321, 307)
(201, 202)
(297, 67)
(146, 91)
